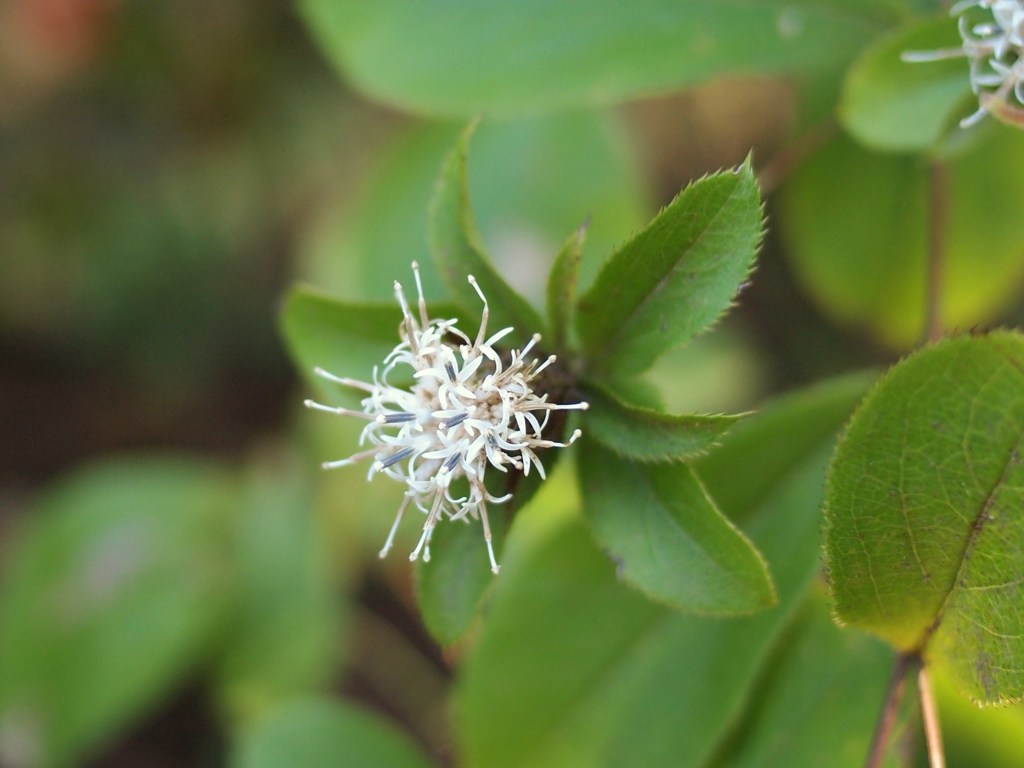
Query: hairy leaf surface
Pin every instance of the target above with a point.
(561, 289)
(925, 536)
(644, 434)
(674, 278)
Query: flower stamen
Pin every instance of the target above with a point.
(394, 527)
(469, 408)
(995, 50)
(393, 459)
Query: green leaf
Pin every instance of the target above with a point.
(366, 239)
(891, 104)
(715, 373)
(450, 587)
(343, 338)
(605, 664)
(460, 58)
(817, 700)
(675, 278)
(992, 737)
(458, 252)
(668, 539)
(285, 630)
(925, 530)
(643, 434)
(322, 733)
(561, 293)
(744, 470)
(859, 246)
(114, 592)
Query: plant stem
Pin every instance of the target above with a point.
(936, 250)
(385, 661)
(887, 717)
(782, 163)
(930, 716)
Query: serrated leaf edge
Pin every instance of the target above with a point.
(921, 647)
(581, 304)
(664, 458)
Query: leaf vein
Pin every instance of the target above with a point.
(659, 286)
(976, 528)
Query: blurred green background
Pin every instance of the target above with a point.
(175, 568)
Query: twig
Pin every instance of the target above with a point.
(782, 163)
(887, 717)
(936, 250)
(930, 716)
(384, 662)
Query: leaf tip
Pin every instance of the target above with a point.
(581, 230)
(470, 130)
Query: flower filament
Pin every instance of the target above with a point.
(469, 408)
(995, 50)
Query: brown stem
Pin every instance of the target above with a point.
(384, 662)
(930, 716)
(781, 164)
(936, 250)
(887, 717)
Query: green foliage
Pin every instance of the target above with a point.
(285, 618)
(449, 588)
(455, 58)
(859, 247)
(338, 336)
(458, 252)
(522, 216)
(116, 589)
(604, 665)
(329, 334)
(660, 600)
(645, 434)
(925, 534)
(673, 279)
(984, 737)
(798, 423)
(711, 232)
(891, 104)
(561, 289)
(816, 699)
(663, 531)
(323, 733)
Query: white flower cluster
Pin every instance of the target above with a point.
(468, 408)
(996, 52)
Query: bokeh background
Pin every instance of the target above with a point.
(174, 566)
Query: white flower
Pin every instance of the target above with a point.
(469, 408)
(996, 52)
